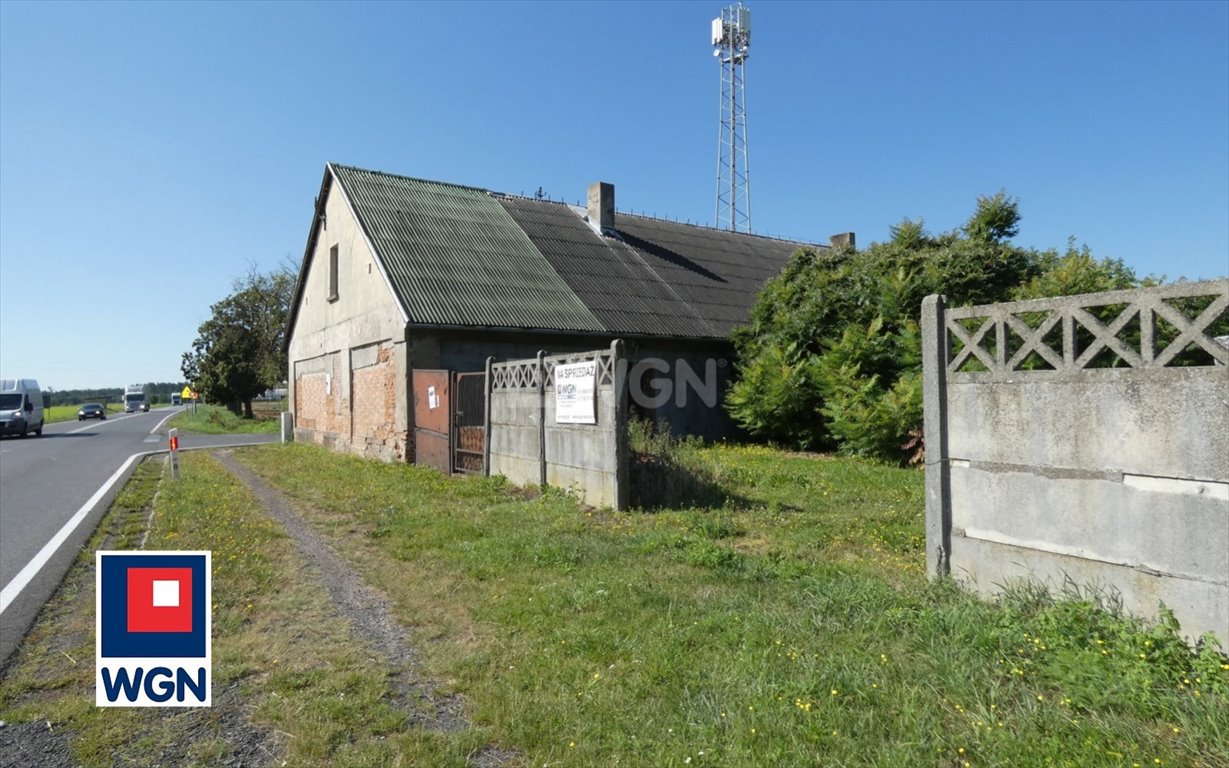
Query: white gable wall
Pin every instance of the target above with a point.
(347, 356)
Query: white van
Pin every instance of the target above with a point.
(21, 407)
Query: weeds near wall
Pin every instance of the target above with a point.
(667, 471)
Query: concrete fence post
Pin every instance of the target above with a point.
(486, 417)
(541, 418)
(287, 427)
(622, 454)
(938, 468)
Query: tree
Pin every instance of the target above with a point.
(831, 355)
(239, 352)
(996, 220)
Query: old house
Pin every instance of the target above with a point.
(403, 274)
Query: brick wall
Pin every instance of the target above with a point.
(310, 402)
(321, 411)
(374, 431)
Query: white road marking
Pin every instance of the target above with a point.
(101, 423)
(113, 419)
(158, 426)
(27, 574)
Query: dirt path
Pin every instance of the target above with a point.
(369, 614)
(44, 745)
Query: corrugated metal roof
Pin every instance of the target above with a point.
(655, 278)
(460, 256)
(455, 257)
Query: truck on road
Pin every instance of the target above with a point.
(135, 400)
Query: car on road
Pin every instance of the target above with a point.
(92, 411)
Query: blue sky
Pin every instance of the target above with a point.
(152, 153)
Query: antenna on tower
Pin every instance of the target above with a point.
(731, 43)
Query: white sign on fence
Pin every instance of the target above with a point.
(576, 393)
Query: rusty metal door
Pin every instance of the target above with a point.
(433, 419)
(469, 423)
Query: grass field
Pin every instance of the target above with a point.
(791, 625)
(216, 420)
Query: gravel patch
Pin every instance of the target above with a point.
(34, 745)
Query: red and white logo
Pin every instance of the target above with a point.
(159, 599)
(153, 629)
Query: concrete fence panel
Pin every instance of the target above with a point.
(1084, 439)
(529, 444)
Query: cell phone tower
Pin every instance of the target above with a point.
(731, 43)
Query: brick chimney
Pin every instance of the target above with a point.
(601, 205)
(842, 240)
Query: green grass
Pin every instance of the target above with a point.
(216, 420)
(792, 625)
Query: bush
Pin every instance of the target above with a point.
(830, 357)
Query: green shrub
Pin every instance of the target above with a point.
(830, 357)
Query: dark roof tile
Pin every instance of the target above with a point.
(654, 277)
(466, 257)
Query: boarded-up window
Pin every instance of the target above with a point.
(333, 273)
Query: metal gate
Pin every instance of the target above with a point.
(469, 420)
(433, 419)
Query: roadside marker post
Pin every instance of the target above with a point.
(174, 433)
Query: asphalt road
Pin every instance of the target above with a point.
(55, 488)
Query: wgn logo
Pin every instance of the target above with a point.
(153, 629)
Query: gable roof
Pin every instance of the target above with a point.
(459, 256)
(454, 257)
